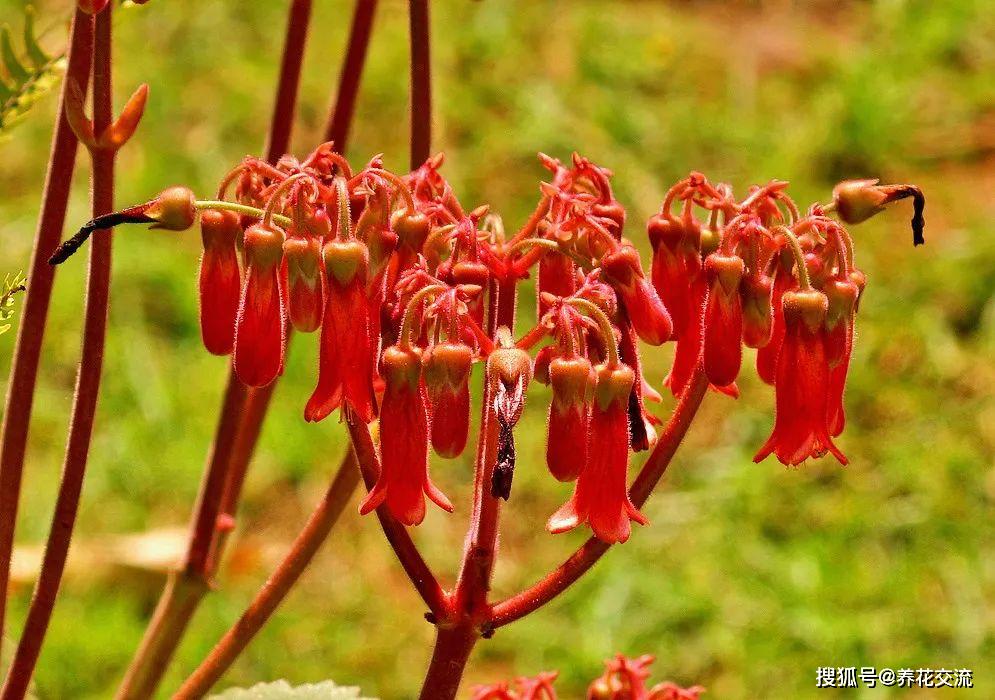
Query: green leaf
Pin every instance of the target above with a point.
(281, 690)
(39, 59)
(29, 76)
(10, 61)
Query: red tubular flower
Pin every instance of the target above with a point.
(650, 318)
(767, 355)
(758, 316)
(623, 679)
(600, 497)
(304, 294)
(842, 296)
(722, 354)
(404, 481)
(345, 364)
(412, 228)
(556, 276)
(220, 280)
(259, 330)
(801, 384)
(573, 381)
(676, 261)
(447, 381)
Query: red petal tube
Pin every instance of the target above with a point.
(345, 363)
(573, 381)
(556, 276)
(404, 481)
(767, 355)
(600, 497)
(723, 351)
(676, 261)
(688, 350)
(802, 382)
(650, 318)
(842, 296)
(305, 297)
(447, 369)
(259, 329)
(220, 280)
(758, 316)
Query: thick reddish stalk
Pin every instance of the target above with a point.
(278, 585)
(453, 646)
(340, 118)
(27, 350)
(469, 614)
(400, 541)
(590, 552)
(181, 597)
(421, 82)
(87, 383)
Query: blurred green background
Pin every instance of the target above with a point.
(750, 576)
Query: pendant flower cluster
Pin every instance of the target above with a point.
(403, 283)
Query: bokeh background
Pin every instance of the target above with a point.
(750, 576)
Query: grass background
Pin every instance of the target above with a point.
(750, 576)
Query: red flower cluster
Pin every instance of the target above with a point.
(623, 679)
(404, 283)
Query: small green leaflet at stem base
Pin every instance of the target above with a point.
(12, 284)
(26, 77)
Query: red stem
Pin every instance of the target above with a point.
(421, 82)
(87, 383)
(400, 541)
(238, 429)
(342, 113)
(27, 350)
(453, 646)
(579, 562)
(278, 585)
(469, 614)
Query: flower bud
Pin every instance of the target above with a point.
(173, 209)
(650, 319)
(306, 301)
(573, 381)
(858, 200)
(412, 228)
(476, 273)
(404, 482)
(722, 352)
(447, 368)
(259, 330)
(220, 282)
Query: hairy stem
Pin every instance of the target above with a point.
(340, 117)
(27, 349)
(87, 383)
(421, 82)
(400, 541)
(278, 585)
(590, 552)
(453, 646)
(173, 613)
